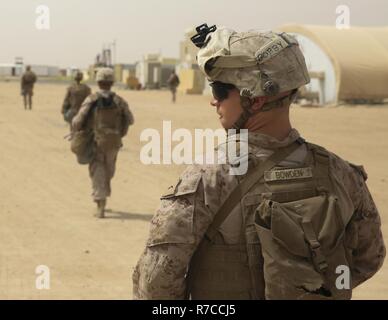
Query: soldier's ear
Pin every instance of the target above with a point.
(258, 103)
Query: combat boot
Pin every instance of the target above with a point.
(101, 208)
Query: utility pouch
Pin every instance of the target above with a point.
(302, 246)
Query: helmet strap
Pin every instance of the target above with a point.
(247, 102)
(283, 101)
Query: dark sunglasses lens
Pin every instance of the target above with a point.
(221, 90)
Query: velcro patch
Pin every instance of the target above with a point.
(184, 186)
(170, 192)
(360, 170)
(288, 174)
(271, 49)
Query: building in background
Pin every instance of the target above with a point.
(347, 65)
(153, 71)
(45, 71)
(192, 81)
(10, 70)
(126, 74)
(16, 70)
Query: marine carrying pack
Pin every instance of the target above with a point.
(29, 77)
(101, 129)
(107, 123)
(301, 221)
(82, 144)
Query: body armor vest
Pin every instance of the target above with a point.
(107, 123)
(78, 93)
(291, 242)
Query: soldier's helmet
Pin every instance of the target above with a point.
(78, 76)
(105, 74)
(258, 63)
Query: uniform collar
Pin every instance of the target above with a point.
(105, 93)
(266, 141)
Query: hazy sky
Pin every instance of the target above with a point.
(79, 28)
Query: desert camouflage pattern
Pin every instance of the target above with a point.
(101, 171)
(75, 96)
(102, 167)
(105, 74)
(27, 83)
(250, 59)
(188, 208)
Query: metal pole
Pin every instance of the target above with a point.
(115, 51)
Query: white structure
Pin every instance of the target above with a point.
(45, 71)
(344, 65)
(10, 70)
(192, 79)
(323, 80)
(154, 70)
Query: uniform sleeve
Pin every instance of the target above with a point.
(66, 102)
(80, 118)
(128, 118)
(369, 254)
(176, 230)
(363, 233)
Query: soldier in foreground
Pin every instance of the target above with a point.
(27, 87)
(107, 117)
(75, 95)
(173, 82)
(297, 221)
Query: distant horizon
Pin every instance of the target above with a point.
(79, 30)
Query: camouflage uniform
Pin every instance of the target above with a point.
(75, 95)
(27, 86)
(236, 262)
(184, 216)
(107, 117)
(173, 82)
(102, 167)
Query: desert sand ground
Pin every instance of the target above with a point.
(46, 212)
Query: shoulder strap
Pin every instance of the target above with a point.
(253, 175)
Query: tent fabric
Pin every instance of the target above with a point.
(359, 56)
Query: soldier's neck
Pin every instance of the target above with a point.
(278, 128)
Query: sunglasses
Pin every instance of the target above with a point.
(221, 90)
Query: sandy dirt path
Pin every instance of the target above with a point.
(46, 212)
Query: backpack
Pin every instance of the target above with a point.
(83, 145)
(107, 123)
(29, 77)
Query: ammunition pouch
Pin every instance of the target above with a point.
(108, 139)
(303, 245)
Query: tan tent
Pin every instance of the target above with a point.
(359, 57)
(191, 81)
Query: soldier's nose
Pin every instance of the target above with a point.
(214, 103)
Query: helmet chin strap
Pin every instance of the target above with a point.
(281, 102)
(247, 102)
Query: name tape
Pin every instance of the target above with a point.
(288, 174)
